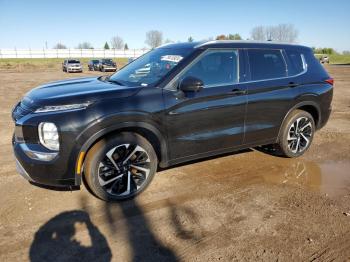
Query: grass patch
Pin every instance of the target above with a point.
(20, 64)
(337, 58)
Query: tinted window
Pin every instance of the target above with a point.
(73, 61)
(266, 64)
(215, 67)
(296, 62)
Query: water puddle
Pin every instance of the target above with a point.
(331, 178)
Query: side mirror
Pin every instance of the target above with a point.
(191, 84)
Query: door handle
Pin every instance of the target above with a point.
(238, 92)
(292, 84)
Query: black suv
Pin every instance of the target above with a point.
(93, 65)
(177, 103)
(107, 64)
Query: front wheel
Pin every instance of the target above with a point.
(296, 134)
(120, 167)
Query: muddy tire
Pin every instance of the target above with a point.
(296, 134)
(120, 167)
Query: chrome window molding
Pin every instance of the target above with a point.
(305, 67)
(169, 86)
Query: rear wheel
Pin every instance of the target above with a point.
(120, 167)
(296, 134)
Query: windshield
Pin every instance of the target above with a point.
(151, 67)
(73, 61)
(107, 61)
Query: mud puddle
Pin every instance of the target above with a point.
(330, 178)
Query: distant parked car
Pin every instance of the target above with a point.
(72, 65)
(107, 64)
(324, 59)
(93, 65)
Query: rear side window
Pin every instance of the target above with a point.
(266, 64)
(297, 64)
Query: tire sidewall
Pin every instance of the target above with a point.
(98, 152)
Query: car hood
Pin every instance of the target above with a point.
(77, 90)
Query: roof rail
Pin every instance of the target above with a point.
(242, 41)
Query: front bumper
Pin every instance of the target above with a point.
(107, 68)
(20, 169)
(74, 69)
(45, 173)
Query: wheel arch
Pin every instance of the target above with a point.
(309, 106)
(148, 131)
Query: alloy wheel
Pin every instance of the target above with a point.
(124, 170)
(299, 134)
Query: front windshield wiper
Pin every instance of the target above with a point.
(108, 79)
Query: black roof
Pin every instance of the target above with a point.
(234, 44)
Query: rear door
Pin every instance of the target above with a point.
(270, 94)
(213, 118)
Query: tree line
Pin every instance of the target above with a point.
(154, 38)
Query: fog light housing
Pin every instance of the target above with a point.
(48, 136)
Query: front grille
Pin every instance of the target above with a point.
(20, 111)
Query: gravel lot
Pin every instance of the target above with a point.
(243, 206)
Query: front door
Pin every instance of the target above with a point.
(212, 119)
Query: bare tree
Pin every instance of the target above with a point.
(285, 33)
(279, 33)
(154, 38)
(85, 45)
(59, 46)
(258, 33)
(117, 42)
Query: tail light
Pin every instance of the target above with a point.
(329, 81)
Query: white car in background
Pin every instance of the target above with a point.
(72, 65)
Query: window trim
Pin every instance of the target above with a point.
(176, 78)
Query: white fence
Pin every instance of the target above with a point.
(70, 53)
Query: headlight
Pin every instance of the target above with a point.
(48, 136)
(45, 109)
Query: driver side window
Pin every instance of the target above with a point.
(214, 68)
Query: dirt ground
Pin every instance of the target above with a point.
(243, 206)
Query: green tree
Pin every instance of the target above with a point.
(126, 46)
(106, 46)
(234, 37)
(190, 39)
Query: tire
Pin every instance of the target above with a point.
(109, 184)
(296, 135)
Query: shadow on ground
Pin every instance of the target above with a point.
(58, 240)
(143, 243)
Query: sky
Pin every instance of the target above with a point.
(32, 24)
